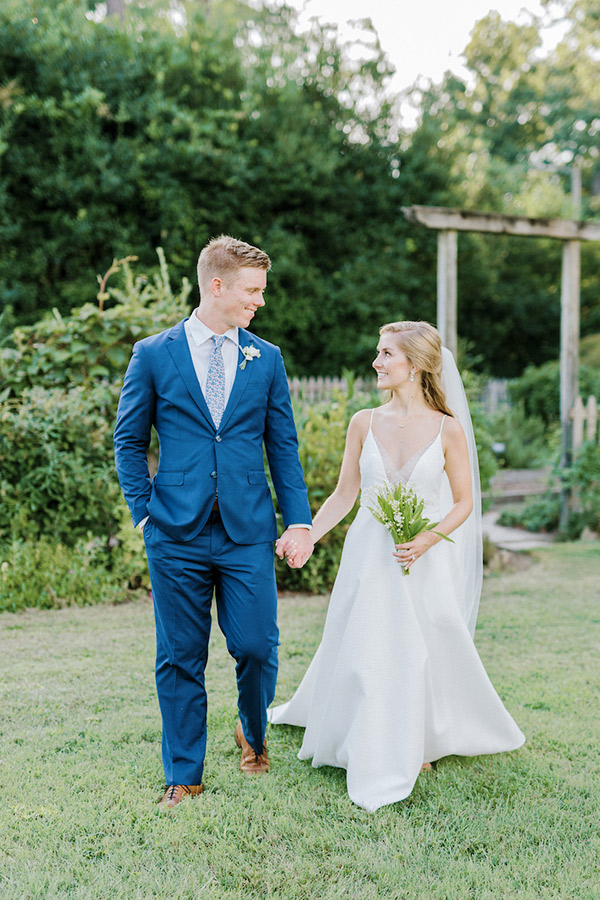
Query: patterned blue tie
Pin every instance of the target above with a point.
(215, 381)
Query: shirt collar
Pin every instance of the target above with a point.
(202, 333)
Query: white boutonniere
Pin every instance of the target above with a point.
(249, 353)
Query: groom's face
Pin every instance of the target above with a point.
(238, 300)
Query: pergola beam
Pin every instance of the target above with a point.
(441, 218)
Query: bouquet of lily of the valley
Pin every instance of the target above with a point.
(401, 511)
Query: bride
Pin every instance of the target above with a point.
(396, 682)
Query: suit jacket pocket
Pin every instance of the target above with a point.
(168, 478)
(257, 476)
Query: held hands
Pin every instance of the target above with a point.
(296, 545)
(407, 554)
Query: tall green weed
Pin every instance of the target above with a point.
(93, 344)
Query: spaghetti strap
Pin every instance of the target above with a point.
(371, 420)
(444, 417)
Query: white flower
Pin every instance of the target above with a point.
(249, 354)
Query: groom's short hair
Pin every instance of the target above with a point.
(224, 255)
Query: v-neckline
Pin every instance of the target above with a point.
(417, 456)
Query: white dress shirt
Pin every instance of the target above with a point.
(199, 338)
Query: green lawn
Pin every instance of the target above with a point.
(80, 767)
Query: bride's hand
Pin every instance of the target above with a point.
(407, 554)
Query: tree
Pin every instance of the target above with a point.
(519, 112)
(124, 138)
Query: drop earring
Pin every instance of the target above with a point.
(412, 376)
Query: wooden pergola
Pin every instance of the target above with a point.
(448, 222)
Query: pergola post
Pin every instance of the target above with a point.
(446, 288)
(569, 355)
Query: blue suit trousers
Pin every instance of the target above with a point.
(184, 576)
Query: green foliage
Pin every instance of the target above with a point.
(538, 515)
(116, 139)
(322, 437)
(589, 350)
(92, 344)
(525, 438)
(56, 469)
(61, 383)
(128, 565)
(583, 477)
(109, 139)
(482, 427)
(538, 390)
(518, 111)
(47, 574)
(120, 135)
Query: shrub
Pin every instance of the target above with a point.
(47, 574)
(541, 514)
(526, 438)
(584, 478)
(56, 468)
(483, 429)
(93, 344)
(61, 380)
(321, 437)
(538, 389)
(589, 350)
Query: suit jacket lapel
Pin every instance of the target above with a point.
(242, 376)
(179, 350)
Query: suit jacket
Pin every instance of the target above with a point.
(161, 389)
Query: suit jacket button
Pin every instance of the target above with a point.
(218, 438)
(213, 474)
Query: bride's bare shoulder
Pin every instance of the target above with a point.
(452, 432)
(360, 422)
(452, 426)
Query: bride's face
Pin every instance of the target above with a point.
(391, 364)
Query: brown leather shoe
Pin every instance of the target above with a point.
(175, 793)
(251, 763)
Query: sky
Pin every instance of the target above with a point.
(421, 37)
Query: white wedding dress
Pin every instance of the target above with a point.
(396, 680)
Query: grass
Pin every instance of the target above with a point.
(80, 767)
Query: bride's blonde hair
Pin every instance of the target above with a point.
(422, 344)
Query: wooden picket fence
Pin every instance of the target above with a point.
(320, 389)
(317, 390)
(585, 422)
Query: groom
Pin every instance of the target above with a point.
(215, 393)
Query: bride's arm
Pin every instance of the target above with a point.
(341, 501)
(458, 471)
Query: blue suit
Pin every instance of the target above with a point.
(193, 550)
